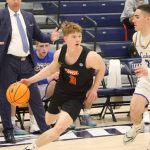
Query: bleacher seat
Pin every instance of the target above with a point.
(102, 20)
(84, 7)
(105, 34)
(114, 50)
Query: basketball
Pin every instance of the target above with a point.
(18, 94)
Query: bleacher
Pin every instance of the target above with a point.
(100, 19)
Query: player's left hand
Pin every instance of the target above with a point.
(141, 71)
(91, 96)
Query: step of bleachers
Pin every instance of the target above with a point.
(102, 20)
(83, 7)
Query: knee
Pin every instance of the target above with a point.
(50, 119)
(134, 112)
(59, 129)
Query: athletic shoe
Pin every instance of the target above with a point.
(28, 148)
(72, 126)
(87, 121)
(146, 117)
(18, 131)
(132, 133)
(31, 147)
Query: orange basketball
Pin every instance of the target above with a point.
(18, 94)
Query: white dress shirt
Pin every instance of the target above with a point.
(16, 48)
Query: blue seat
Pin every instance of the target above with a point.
(84, 7)
(105, 34)
(115, 50)
(102, 20)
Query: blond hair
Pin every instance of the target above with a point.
(70, 27)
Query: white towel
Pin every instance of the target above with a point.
(114, 76)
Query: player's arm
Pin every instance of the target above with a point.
(96, 62)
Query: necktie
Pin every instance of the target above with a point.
(22, 34)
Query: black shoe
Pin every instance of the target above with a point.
(9, 137)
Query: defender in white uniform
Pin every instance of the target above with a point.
(141, 96)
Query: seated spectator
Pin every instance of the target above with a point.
(126, 17)
(43, 57)
(128, 12)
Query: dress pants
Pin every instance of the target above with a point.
(14, 69)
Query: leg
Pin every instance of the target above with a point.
(51, 118)
(50, 89)
(33, 127)
(86, 119)
(8, 75)
(62, 124)
(35, 101)
(13, 113)
(17, 130)
(37, 108)
(64, 120)
(137, 108)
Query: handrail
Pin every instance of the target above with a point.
(58, 13)
(51, 19)
(90, 34)
(58, 8)
(57, 25)
(87, 18)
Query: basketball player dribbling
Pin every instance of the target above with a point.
(75, 85)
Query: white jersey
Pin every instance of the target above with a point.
(142, 45)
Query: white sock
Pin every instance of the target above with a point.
(13, 120)
(138, 126)
(33, 146)
(86, 112)
(146, 113)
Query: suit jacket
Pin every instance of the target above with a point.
(33, 32)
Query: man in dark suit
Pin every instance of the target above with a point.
(17, 60)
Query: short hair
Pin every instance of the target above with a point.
(37, 42)
(70, 27)
(145, 8)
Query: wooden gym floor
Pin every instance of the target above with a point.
(98, 143)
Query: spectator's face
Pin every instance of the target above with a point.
(14, 4)
(73, 39)
(42, 49)
(140, 20)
